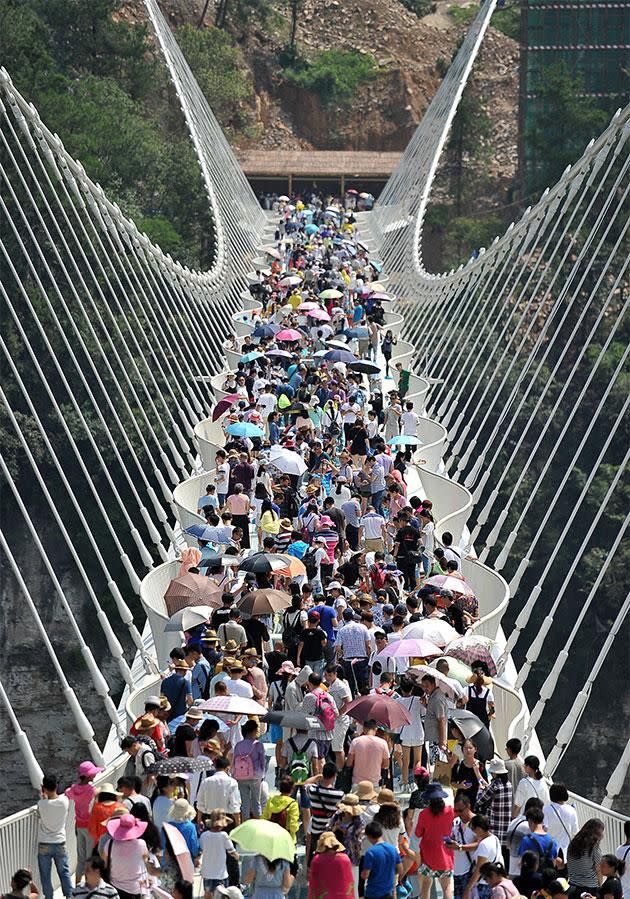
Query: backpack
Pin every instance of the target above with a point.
(151, 746)
(545, 858)
(300, 767)
(291, 630)
(278, 696)
(325, 711)
(377, 576)
(243, 768)
(281, 816)
(310, 563)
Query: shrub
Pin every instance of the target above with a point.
(334, 75)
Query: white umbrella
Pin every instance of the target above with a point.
(287, 461)
(189, 617)
(418, 671)
(290, 281)
(233, 705)
(435, 629)
(284, 199)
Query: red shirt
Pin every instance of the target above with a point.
(331, 876)
(432, 829)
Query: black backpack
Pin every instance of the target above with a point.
(310, 563)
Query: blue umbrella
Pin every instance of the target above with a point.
(199, 531)
(311, 229)
(404, 440)
(339, 356)
(250, 357)
(265, 330)
(378, 266)
(244, 429)
(351, 333)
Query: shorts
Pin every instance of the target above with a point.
(339, 733)
(323, 748)
(210, 884)
(425, 871)
(276, 733)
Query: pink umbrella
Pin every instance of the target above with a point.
(448, 582)
(306, 307)
(289, 334)
(320, 314)
(383, 709)
(473, 648)
(405, 649)
(224, 404)
(233, 705)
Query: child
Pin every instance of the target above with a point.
(215, 847)
(82, 794)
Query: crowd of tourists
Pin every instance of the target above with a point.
(327, 725)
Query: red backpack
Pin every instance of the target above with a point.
(377, 576)
(325, 709)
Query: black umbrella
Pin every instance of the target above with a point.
(472, 728)
(296, 720)
(367, 368)
(181, 765)
(262, 563)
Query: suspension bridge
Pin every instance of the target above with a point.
(505, 352)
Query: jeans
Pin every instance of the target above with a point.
(250, 798)
(210, 885)
(317, 665)
(222, 498)
(47, 853)
(377, 500)
(426, 564)
(356, 674)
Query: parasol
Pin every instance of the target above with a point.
(331, 294)
(436, 630)
(417, 672)
(406, 649)
(286, 460)
(244, 429)
(365, 367)
(290, 335)
(473, 729)
(189, 617)
(264, 602)
(383, 709)
(456, 669)
(448, 582)
(296, 719)
(264, 838)
(190, 590)
(181, 765)
(232, 705)
(294, 567)
(339, 356)
(262, 563)
(471, 649)
(224, 404)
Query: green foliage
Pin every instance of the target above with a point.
(508, 21)
(218, 67)
(334, 75)
(463, 15)
(465, 234)
(565, 122)
(419, 7)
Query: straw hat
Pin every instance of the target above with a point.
(328, 840)
(286, 523)
(194, 713)
(209, 636)
(350, 805)
(181, 810)
(237, 665)
(125, 828)
(365, 790)
(109, 790)
(165, 705)
(251, 654)
(214, 745)
(231, 647)
(386, 797)
(146, 723)
(181, 665)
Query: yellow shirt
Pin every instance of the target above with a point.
(294, 300)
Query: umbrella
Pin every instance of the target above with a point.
(251, 357)
(330, 294)
(281, 354)
(232, 705)
(190, 590)
(417, 672)
(290, 281)
(174, 723)
(264, 330)
(404, 440)
(297, 720)
(181, 765)
(383, 297)
(286, 460)
(456, 669)
(264, 838)
(284, 199)
(294, 567)
(289, 334)
(336, 344)
(377, 287)
(264, 602)
(224, 404)
(271, 251)
(339, 356)
(319, 314)
(262, 563)
(448, 582)
(471, 649)
(306, 307)
(311, 229)
(189, 617)
(376, 265)
(295, 409)
(367, 368)
(405, 649)
(434, 629)
(383, 709)
(244, 429)
(473, 729)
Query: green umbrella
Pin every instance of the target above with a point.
(330, 294)
(265, 838)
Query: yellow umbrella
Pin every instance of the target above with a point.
(264, 838)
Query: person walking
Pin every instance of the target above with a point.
(52, 818)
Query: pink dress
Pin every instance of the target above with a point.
(431, 830)
(331, 877)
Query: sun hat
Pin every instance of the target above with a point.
(194, 712)
(214, 744)
(209, 636)
(365, 790)
(320, 540)
(497, 766)
(146, 723)
(286, 523)
(231, 646)
(229, 892)
(288, 668)
(181, 665)
(434, 791)
(152, 700)
(251, 654)
(237, 665)
(334, 585)
(89, 769)
(328, 840)
(107, 789)
(386, 797)
(350, 805)
(125, 828)
(181, 810)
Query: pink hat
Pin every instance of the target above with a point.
(288, 668)
(89, 769)
(125, 828)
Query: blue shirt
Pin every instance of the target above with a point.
(380, 860)
(326, 615)
(274, 433)
(201, 676)
(175, 687)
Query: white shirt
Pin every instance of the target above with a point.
(373, 526)
(490, 849)
(219, 791)
(561, 823)
(349, 413)
(409, 423)
(462, 833)
(268, 402)
(214, 846)
(53, 814)
(452, 555)
(623, 852)
(529, 787)
(222, 477)
(239, 688)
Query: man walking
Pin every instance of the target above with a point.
(52, 814)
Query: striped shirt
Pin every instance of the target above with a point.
(323, 806)
(583, 869)
(102, 891)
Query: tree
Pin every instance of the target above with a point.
(564, 122)
(471, 127)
